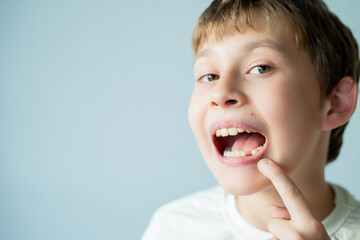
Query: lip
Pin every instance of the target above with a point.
(237, 161)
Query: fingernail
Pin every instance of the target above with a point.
(263, 162)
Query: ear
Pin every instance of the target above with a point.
(340, 106)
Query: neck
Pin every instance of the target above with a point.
(310, 180)
(255, 208)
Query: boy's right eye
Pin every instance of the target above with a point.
(208, 78)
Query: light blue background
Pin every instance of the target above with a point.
(93, 116)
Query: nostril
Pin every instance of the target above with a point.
(231, 102)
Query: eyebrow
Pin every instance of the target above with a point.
(264, 43)
(247, 48)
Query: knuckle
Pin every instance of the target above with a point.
(297, 236)
(272, 225)
(293, 192)
(315, 226)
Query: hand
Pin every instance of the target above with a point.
(296, 220)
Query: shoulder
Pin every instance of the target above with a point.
(348, 227)
(192, 215)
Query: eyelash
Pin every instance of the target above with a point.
(270, 69)
(259, 67)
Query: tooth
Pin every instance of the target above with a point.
(248, 131)
(233, 131)
(218, 133)
(255, 151)
(242, 153)
(224, 132)
(240, 130)
(227, 153)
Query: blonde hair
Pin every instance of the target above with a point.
(330, 44)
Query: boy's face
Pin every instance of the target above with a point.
(262, 82)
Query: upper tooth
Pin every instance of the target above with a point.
(224, 132)
(240, 130)
(233, 131)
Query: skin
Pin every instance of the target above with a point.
(263, 79)
(296, 220)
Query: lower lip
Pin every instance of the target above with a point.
(241, 161)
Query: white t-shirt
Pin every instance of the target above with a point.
(212, 214)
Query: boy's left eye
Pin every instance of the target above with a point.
(261, 70)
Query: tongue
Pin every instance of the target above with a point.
(246, 142)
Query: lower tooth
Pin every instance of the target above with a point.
(255, 151)
(228, 153)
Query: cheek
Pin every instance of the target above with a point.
(194, 113)
(196, 117)
(276, 106)
(290, 112)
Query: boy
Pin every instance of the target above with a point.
(276, 83)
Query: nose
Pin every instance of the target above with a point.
(227, 94)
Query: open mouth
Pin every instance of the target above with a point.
(238, 142)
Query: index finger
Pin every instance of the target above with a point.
(291, 195)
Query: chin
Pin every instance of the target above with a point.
(238, 187)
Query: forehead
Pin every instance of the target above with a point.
(276, 42)
(207, 49)
(207, 33)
